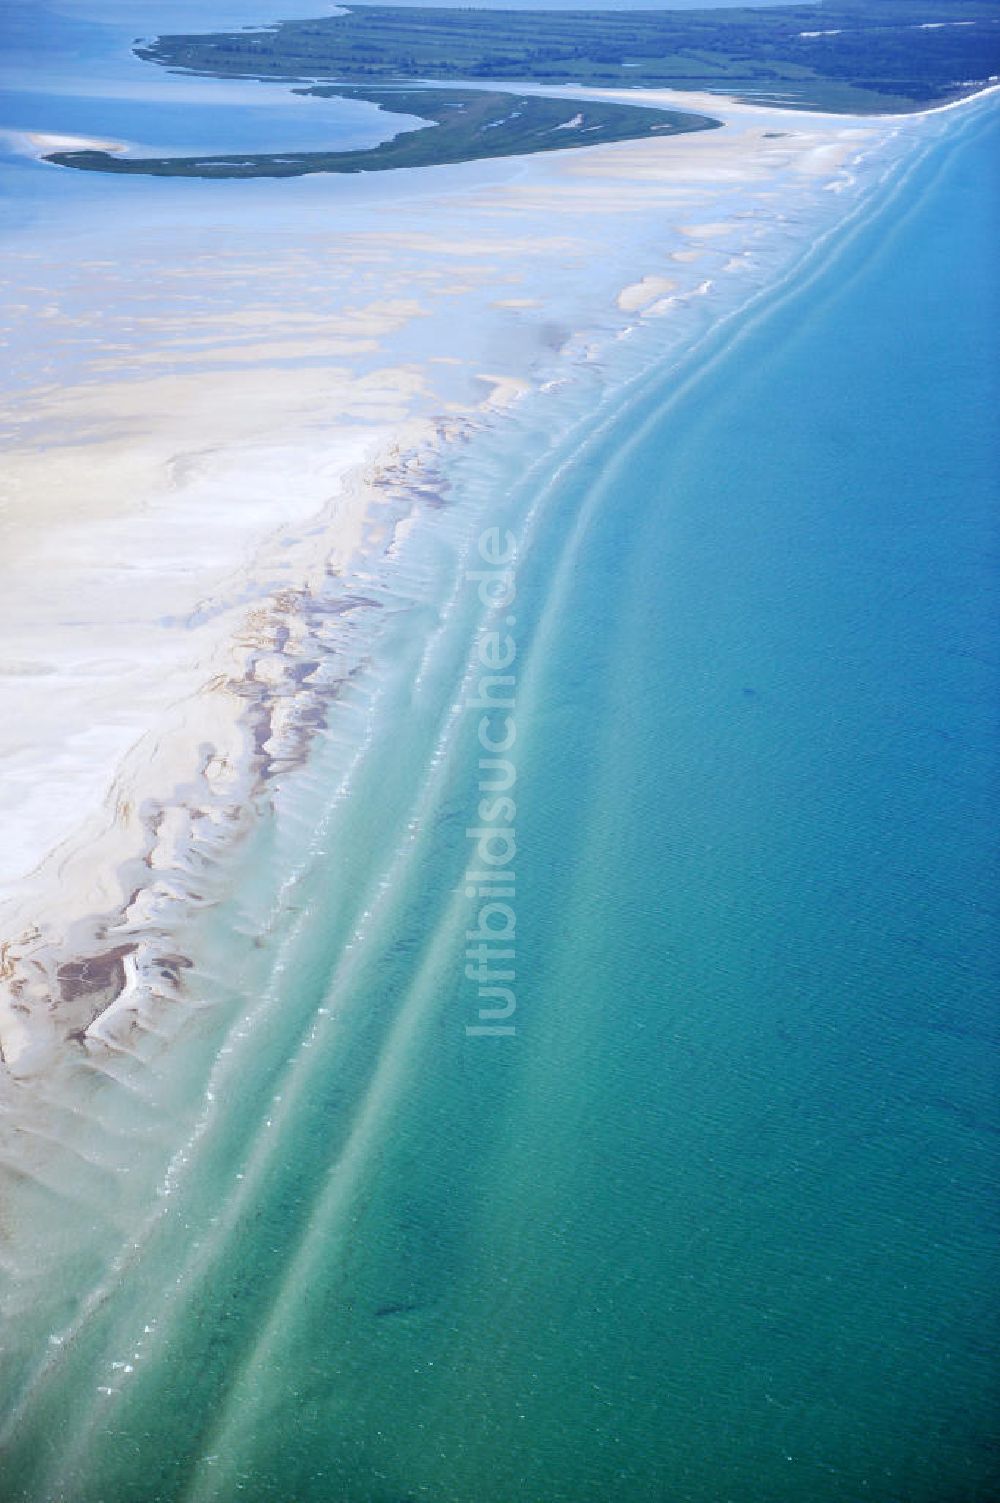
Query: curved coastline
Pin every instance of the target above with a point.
(622, 395)
(92, 979)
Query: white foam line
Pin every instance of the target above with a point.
(381, 890)
(64, 1340)
(341, 1182)
(639, 385)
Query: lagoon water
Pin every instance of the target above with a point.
(715, 1222)
(77, 75)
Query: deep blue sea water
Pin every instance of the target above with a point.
(716, 1223)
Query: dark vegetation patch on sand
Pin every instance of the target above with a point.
(853, 55)
(468, 125)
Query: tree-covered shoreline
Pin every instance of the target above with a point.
(856, 56)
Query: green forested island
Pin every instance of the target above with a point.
(855, 55)
(844, 55)
(469, 124)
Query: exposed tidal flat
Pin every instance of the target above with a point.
(716, 1223)
(221, 407)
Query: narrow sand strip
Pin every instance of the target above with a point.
(222, 426)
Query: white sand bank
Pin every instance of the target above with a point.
(215, 419)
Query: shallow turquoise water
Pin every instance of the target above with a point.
(715, 1223)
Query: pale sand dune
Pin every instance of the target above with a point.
(641, 295)
(41, 144)
(505, 389)
(234, 423)
(705, 231)
(248, 353)
(490, 245)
